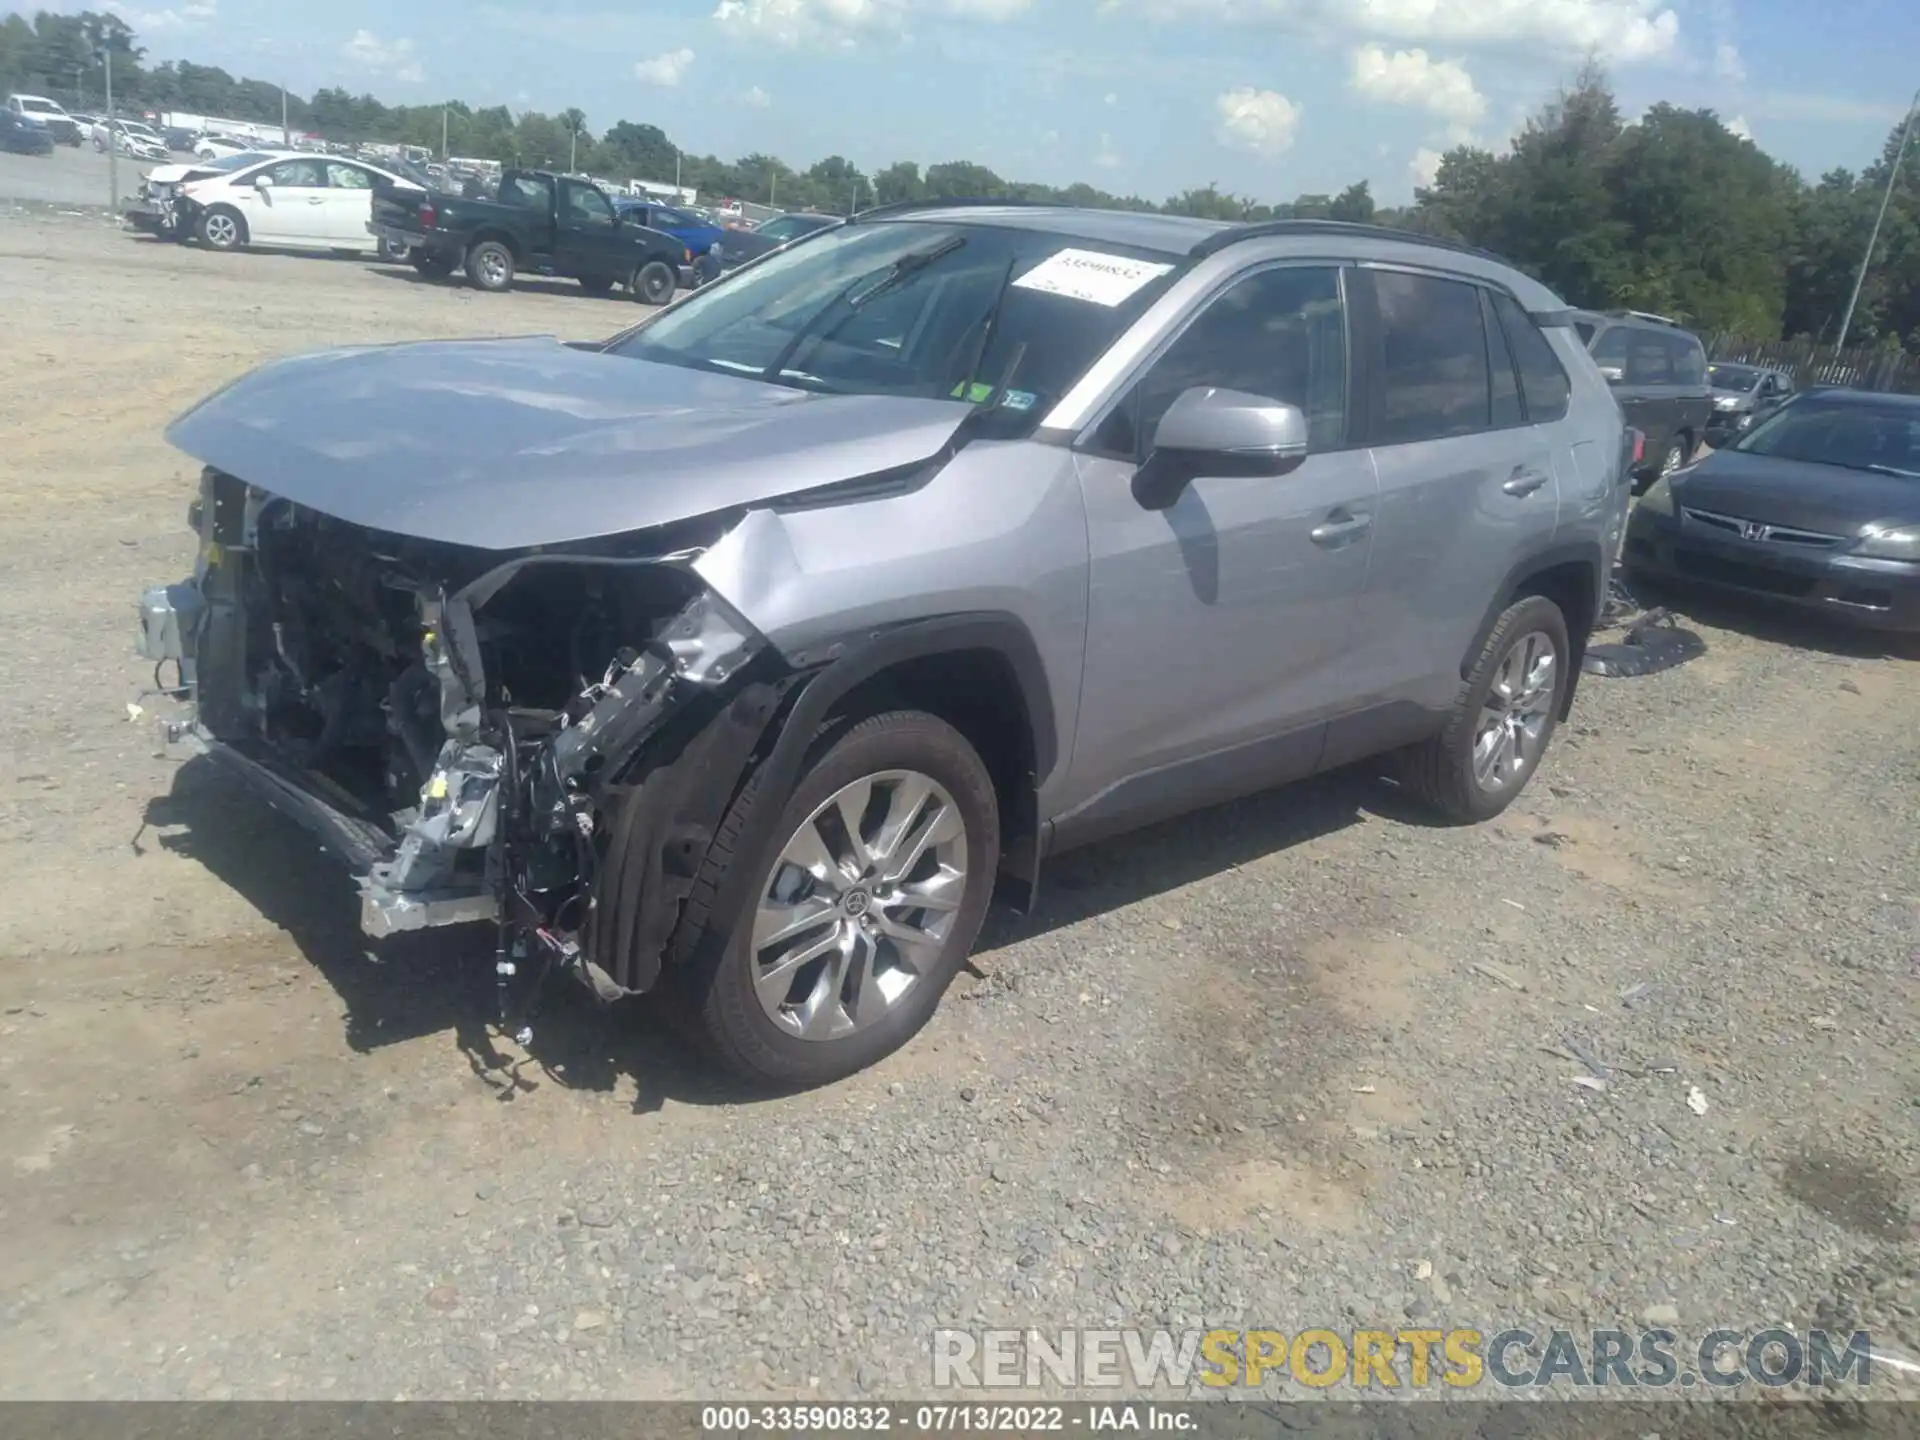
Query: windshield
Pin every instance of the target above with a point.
(35, 106)
(1005, 318)
(1856, 435)
(1733, 377)
(407, 170)
(238, 161)
(786, 227)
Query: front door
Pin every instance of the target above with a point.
(1216, 628)
(588, 240)
(292, 210)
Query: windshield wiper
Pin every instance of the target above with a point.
(1893, 470)
(912, 263)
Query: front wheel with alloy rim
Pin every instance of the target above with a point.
(1503, 719)
(222, 229)
(865, 901)
(1676, 455)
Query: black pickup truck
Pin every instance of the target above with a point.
(535, 221)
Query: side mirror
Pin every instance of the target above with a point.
(1207, 431)
(263, 182)
(1612, 374)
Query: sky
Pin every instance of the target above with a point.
(1265, 98)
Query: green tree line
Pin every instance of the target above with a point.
(1672, 213)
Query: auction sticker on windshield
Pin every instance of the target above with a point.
(1088, 275)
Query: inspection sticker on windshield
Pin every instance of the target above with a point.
(1088, 275)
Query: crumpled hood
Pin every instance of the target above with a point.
(502, 444)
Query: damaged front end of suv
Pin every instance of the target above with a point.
(478, 735)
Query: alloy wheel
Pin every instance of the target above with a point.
(221, 231)
(858, 905)
(1517, 712)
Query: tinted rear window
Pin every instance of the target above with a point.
(1434, 371)
(1543, 380)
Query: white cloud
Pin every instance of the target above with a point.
(667, 69)
(994, 10)
(1738, 126)
(199, 12)
(1262, 121)
(1107, 159)
(1410, 77)
(792, 23)
(1620, 30)
(1111, 99)
(756, 99)
(1425, 166)
(394, 59)
(1727, 63)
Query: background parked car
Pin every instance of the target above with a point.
(50, 113)
(1816, 506)
(287, 201)
(1658, 371)
(131, 138)
(20, 135)
(737, 246)
(1741, 395)
(535, 221)
(697, 234)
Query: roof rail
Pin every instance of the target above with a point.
(901, 207)
(1260, 229)
(1646, 315)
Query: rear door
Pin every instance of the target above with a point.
(586, 239)
(1467, 486)
(349, 205)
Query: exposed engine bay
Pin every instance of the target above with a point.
(471, 729)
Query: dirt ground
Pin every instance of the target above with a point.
(1305, 1060)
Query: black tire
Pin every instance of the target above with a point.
(216, 235)
(1440, 771)
(713, 964)
(434, 267)
(655, 283)
(490, 266)
(597, 284)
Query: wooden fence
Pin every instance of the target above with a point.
(1859, 368)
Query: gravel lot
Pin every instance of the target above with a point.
(70, 177)
(1284, 1064)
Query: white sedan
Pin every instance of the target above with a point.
(304, 202)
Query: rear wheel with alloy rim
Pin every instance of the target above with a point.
(865, 902)
(1503, 719)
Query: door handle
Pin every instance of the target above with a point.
(1524, 482)
(1332, 532)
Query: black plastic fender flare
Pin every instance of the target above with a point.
(1589, 553)
(654, 857)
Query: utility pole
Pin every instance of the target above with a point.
(1873, 239)
(676, 175)
(573, 148)
(113, 136)
(286, 133)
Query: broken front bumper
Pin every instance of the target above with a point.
(446, 861)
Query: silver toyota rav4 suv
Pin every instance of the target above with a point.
(738, 655)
